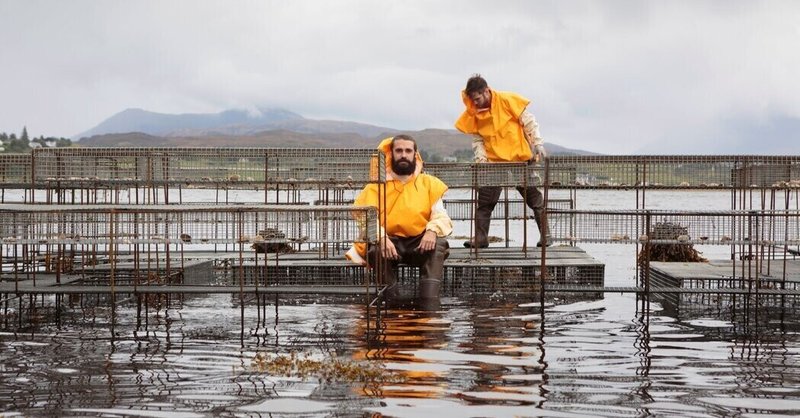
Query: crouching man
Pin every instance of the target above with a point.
(414, 223)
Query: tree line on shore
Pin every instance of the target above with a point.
(11, 143)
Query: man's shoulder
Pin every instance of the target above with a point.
(510, 96)
(431, 179)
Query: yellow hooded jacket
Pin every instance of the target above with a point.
(408, 206)
(499, 126)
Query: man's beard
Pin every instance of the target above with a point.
(404, 167)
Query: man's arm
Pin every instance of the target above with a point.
(440, 225)
(440, 221)
(479, 149)
(531, 130)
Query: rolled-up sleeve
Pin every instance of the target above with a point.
(530, 128)
(440, 221)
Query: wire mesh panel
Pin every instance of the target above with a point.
(658, 226)
(153, 242)
(93, 163)
(673, 171)
(211, 165)
(186, 224)
(358, 166)
(463, 209)
(767, 171)
(15, 169)
(457, 175)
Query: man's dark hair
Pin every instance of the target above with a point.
(476, 84)
(405, 138)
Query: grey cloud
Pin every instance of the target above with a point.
(613, 77)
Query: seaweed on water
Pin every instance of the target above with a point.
(331, 369)
(669, 252)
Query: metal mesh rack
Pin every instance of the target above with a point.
(462, 209)
(250, 166)
(459, 175)
(68, 238)
(673, 171)
(507, 270)
(774, 227)
(15, 169)
(764, 245)
(153, 232)
(185, 224)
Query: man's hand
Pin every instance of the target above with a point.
(428, 242)
(481, 160)
(538, 153)
(387, 249)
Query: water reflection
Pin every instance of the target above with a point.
(472, 357)
(492, 356)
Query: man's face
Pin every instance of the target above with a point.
(481, 99)
(404, 160)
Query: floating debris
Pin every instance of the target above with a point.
(332, 369)
(272, 235)
(670, 252)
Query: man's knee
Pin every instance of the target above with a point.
(533, 197)
(442, 247)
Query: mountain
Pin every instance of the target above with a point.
(229, 122)
(441, 142)
(266, 128)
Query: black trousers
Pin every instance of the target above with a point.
(487, 200)
(430, 263)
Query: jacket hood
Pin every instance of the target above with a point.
(386, 147)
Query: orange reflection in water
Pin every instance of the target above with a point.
(433, 360)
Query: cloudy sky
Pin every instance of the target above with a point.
(616, 77)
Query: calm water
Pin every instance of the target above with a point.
(481, 356)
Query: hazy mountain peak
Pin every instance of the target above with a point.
(164, 124)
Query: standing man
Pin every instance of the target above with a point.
(502, 130)
(414, 224)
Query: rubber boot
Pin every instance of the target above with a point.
(544, 230)
(487, 200)
(429, 298)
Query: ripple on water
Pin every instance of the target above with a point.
(425, 408)
(288, 406)
(771, 404)
(710, 323)
(448, 357)
(125, 412)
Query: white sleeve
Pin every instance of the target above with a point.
(530, 128)
(479, 149)
(440, 221)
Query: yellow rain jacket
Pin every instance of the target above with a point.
(408, 206)
(499, 126)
